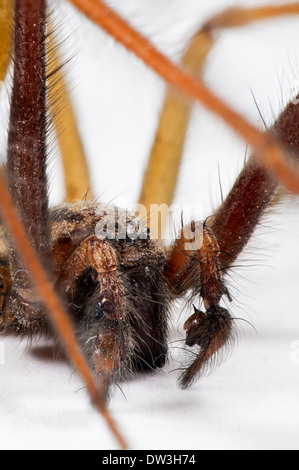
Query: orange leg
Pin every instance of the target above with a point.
(267, 150)
(224, 237)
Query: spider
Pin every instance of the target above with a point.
(99, 313)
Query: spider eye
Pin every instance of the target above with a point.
(99, 311)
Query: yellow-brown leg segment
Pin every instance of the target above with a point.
(29, 239)
(223, 239)
(76, 174)
(160, 177)
(6, 9)
(268, 151)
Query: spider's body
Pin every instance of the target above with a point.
(100, 263)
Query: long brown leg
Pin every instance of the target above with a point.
(238, 216)
(223, 238)
(164, 162)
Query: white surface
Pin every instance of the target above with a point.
(251, 401)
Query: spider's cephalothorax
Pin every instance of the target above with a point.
(110, 274)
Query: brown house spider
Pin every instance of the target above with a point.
(178, 400)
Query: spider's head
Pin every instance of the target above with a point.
(111, 276)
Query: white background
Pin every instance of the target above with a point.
(251, 401)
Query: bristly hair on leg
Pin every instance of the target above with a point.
(213, 332)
